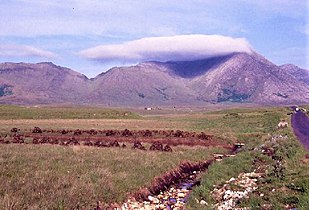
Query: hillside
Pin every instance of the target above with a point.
(41, 83)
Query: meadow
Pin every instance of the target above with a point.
(77, 177)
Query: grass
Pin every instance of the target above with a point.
(291, 189)
(221, 123)
(54, 177)
(9, 112)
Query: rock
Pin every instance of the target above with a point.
(179, 205)
(154, 200)
(161, 206)
(181, 195)
(173, 198)
(202, 202)
(228, 198)
(160, 196)
(232, 179)
(150, 198)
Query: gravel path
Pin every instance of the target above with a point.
(300, 124)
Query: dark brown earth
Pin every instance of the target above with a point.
(160, 140)
(164, 181)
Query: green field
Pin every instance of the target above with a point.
(55, 177)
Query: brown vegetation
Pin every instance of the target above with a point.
(160, 140)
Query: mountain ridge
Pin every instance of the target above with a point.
(233, 78)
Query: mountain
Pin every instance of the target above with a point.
(301, 74)
(144, 84)
(233, 78)
(41, 83)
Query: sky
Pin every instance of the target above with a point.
(91, 36)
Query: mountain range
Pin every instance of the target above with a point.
(232, 78)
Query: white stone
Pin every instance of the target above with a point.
(150, 198)
(156, 201)
(160, 196)
(232, 179)
(181, 195)
(161, 206)
(184, 190)
(202, 202)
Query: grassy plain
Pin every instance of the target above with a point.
(55, 177)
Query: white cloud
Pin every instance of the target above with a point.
(182, 47)
(12, 50)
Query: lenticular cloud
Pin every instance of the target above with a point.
(174, 48)
(9, 50)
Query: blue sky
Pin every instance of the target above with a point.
(77, 34)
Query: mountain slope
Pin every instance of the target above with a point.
(249, 78)
(295, 71)
(234, 78)
(41, 83)
(143, 84)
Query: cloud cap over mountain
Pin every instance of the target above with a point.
(172, 48)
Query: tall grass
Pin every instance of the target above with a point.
(55, 177)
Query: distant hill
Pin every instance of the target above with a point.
(234, 78)
(41, 83)
(295, 71)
